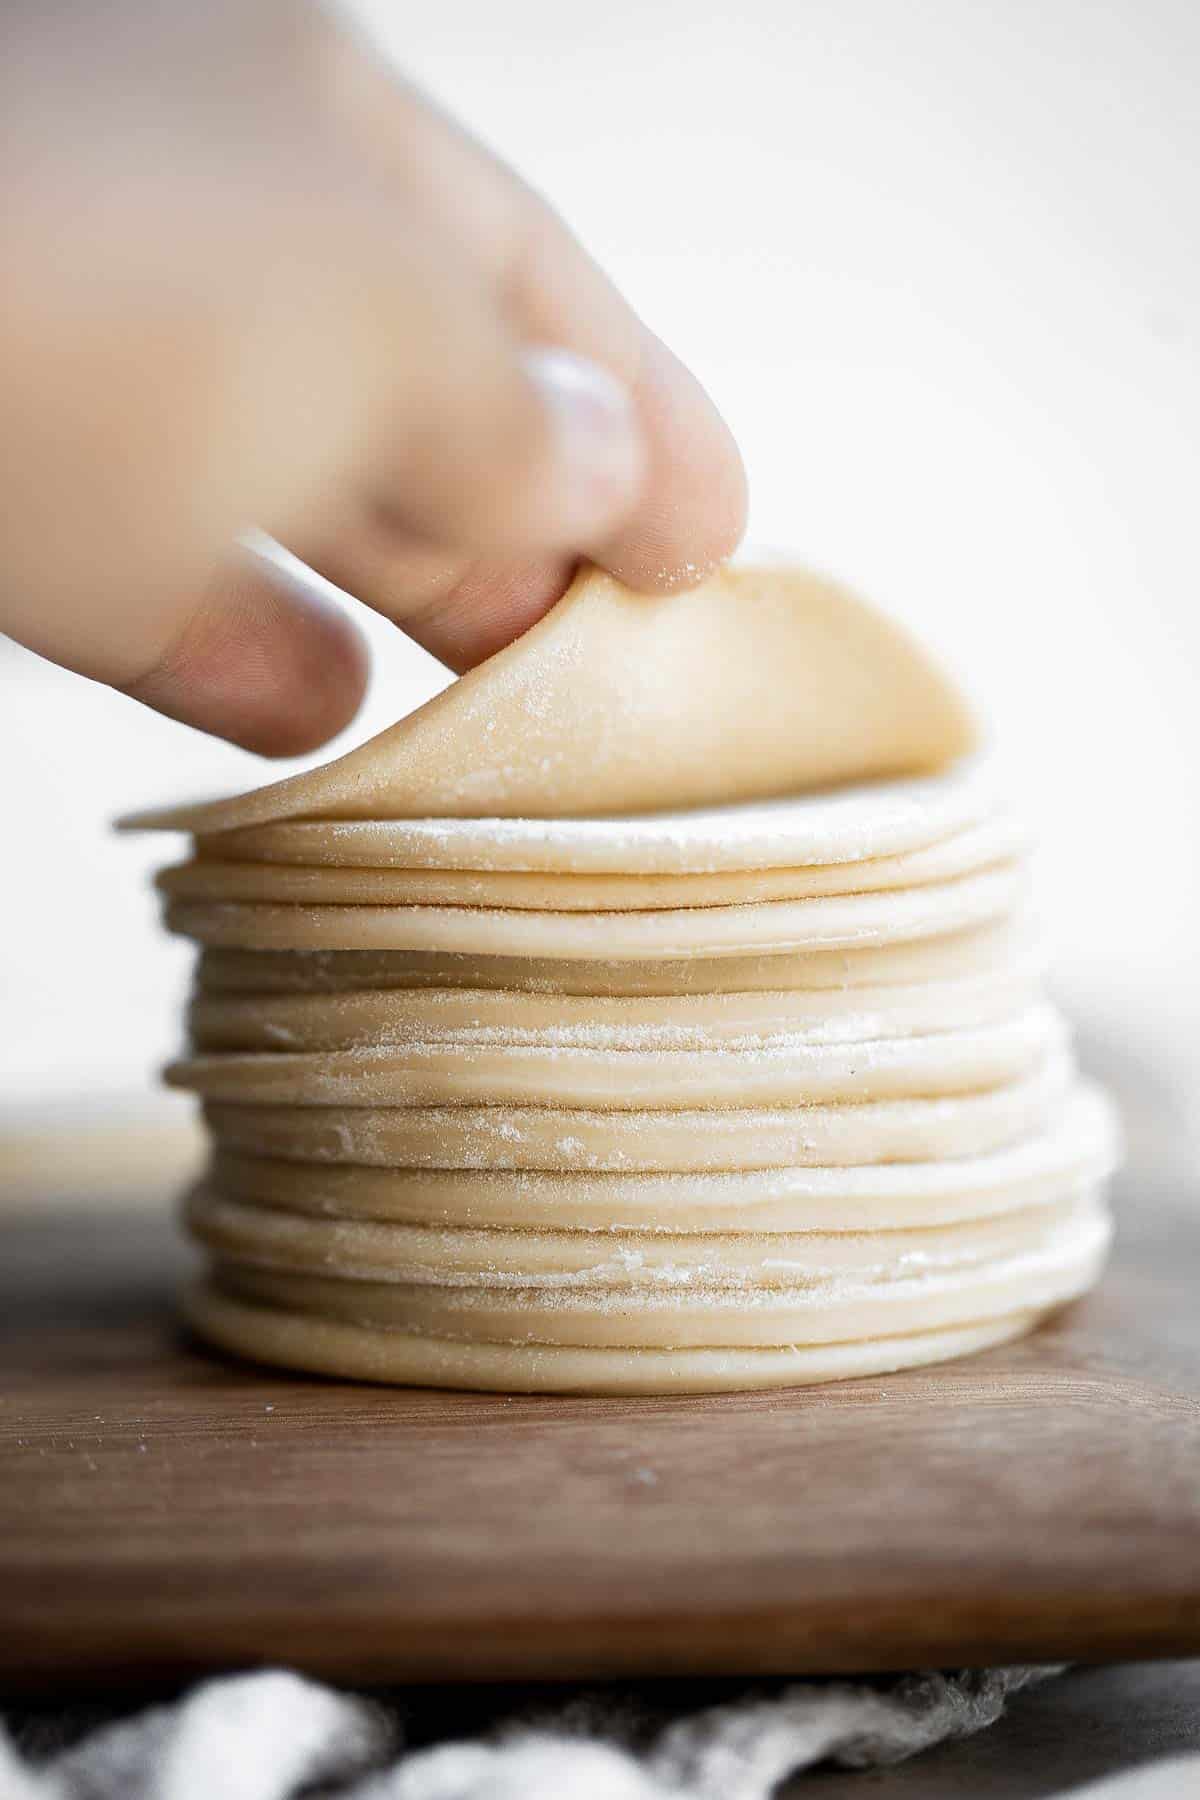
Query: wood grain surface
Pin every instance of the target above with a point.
(163, 1512)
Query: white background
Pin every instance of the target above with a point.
(938, 262)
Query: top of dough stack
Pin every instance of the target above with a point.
(656, 1009)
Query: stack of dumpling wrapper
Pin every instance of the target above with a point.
(562, 1095)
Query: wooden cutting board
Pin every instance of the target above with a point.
(164, 1512)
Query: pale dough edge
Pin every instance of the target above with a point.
(261, 1334)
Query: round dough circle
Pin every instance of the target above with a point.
(971, 951)
(848, 825)
(982, 846)
(307, 1022)
(1060, 1257)
(831, 922)
(506, 1137)
(1077, 1149)
(362, 1353)
(779, 1073)
(656, 1261)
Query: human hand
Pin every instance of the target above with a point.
(254, 279)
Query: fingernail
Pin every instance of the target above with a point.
(600, 454)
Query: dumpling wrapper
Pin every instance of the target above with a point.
(761, 682)
(372, 1353)
(1077, 1147)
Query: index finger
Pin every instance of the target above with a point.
(691, 512)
